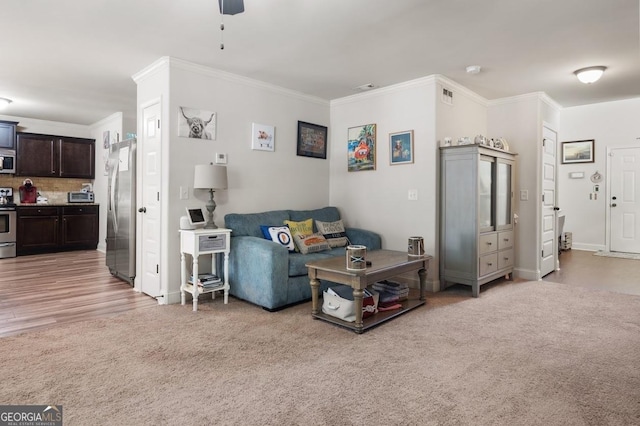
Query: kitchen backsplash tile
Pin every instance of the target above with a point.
(47, 187)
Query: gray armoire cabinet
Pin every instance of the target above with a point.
(476, 215)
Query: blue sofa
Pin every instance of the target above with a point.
(267, 274)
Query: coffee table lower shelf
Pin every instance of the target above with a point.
(374, 320)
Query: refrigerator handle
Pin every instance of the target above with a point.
(112, 194)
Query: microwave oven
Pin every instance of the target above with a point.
(7, 161)
(80, 197)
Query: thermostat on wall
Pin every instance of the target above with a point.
(221, 158)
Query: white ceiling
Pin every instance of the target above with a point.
(72, 60)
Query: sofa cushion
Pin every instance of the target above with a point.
(242, 224)
(334, 232)
(280, 235)
(297, 261)
(325, 214)
(304, 227)
(311, 243)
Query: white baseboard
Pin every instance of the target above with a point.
(588, 247)
(527, 274)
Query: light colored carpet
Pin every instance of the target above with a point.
(533, 353)
(619, 255)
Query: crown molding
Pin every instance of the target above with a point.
(106, 120)
(536, 96)
(382, 91)
(459, 88)
(167, 62)
(151, 69)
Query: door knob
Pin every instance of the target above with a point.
(613, 205)
(614, 198)
(142, 210)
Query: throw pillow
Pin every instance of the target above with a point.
(334, 232)
(280, 235)
(304, 227)
(312, 243)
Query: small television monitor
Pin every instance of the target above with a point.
(196, 216)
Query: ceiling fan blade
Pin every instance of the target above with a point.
(231, 7)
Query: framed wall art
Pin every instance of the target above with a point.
(312, 140)
(361, 148)
(578, 152)
(262, 137)
(401, 147)
(196, 124)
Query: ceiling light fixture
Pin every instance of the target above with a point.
(4, 102)
(590, 74)
(473, 69)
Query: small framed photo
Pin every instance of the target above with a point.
(401, 147)
(361, 148)
(312, 140)
(196, 124)
(262, 137)
(578, 152)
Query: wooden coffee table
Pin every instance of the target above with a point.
(384, 264)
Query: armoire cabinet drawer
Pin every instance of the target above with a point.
(488, 264)
(488, 243)
(505, 258)
(505, 239)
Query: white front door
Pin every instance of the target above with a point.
(549, 250)
(624, 200)
(149, 210)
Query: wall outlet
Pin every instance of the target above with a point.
(184, 192)
(413, 194)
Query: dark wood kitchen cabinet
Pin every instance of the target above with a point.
(38, 230)
(79, 227)
(55, 156)
(8, 134)
(47, 229)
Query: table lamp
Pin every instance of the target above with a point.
(211, 177)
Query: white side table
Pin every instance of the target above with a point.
(204, 241)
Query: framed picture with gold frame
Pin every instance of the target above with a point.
(361, 148)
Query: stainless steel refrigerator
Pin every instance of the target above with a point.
(121, 217)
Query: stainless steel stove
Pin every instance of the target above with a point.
(8, 223)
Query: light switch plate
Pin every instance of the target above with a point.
(184, 192)
(413, 194)
(524, 195)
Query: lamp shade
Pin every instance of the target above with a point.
(210, 176)
(590, 75)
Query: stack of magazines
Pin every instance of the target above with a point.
(207, 281)
(391, 291)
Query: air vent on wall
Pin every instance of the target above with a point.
(447, 96)
(365, 87)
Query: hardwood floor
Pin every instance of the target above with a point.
(42, 291)
(582, 269)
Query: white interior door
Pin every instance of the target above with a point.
(149, 211)
(624, 200)
(549, 252)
